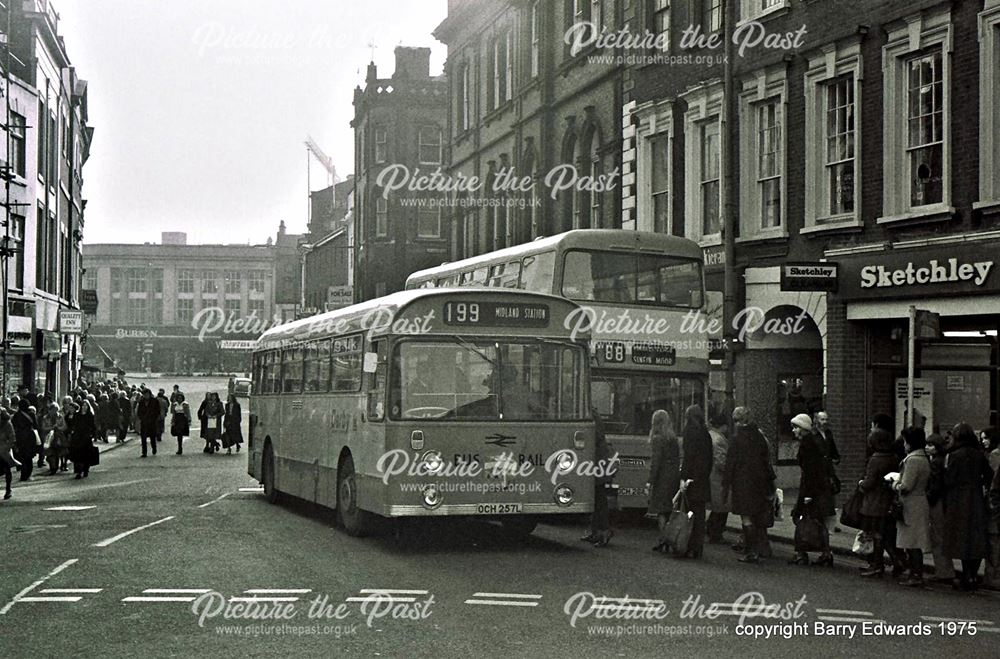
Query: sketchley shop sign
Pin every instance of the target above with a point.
(951, 269)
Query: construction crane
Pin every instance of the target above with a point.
(313, 149)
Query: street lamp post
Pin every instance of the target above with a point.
(729, 215)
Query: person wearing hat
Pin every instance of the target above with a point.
(815, 486)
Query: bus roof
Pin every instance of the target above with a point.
(384, 311)
(601, 239)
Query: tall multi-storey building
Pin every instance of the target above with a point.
(181, 308)
(523, 100)
(399, 122)
(47, 142)
(870, 143)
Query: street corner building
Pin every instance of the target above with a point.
(179, 308)
(47, 140)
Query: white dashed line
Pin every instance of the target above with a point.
(71, 590)
(259, 488)
(179, 591)
(846, 619)
(390, 591)
(381, 597)
(38, 583)
(105, 543)
(502, 602)
(278, 591)
(263, 599)
(164, 598)
(845, 612)
(69, 508)
(511, 595)
(205, 505)
(51, 599)
(936, 619)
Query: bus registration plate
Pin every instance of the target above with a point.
(498, 509)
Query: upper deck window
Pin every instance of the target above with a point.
(625, 278)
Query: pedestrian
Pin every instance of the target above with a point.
(716, 523)
(180, 421)
(210, 412)
(600, 521)
(815, 487)
(7, 444)
(913, 533)
(991, 444)
(664, 472)
(107, 416)
(53, 425)
(82, 428)
(125, 414)
(232, 425)
(696, 473)
(966, 478)
(944, 569)
(164, 403)
(148, 412)
(749, 484)
(993, 574)
(25, 436)
(878, 497)
(176, 396)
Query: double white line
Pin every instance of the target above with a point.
(504, 599)
(168, 595)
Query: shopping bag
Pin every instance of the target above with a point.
(864, 544)
(779, 500)
(810, 535)
(851, 514)
(678, 530)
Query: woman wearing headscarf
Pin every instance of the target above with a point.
(913, 534)
(25, 434)
(664, 472)
(815, 486)
(180, 420)
(878, 497)
(82, 428)
(232, 430)
(966, 479)
(696, 472)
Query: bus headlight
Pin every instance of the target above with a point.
(563, 494)
(565, 461)
(431, 463)
(431, 497)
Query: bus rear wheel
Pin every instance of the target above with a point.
(267, 476)
(356, 522)
(520, 527)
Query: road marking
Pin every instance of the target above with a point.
(989, 630)
(936, 619)
(50, 599)
(259, 488)
(205, 505)
(392, 591)
(380, 597)
(38, 583)
(36, 528)
(71, 590)
(502, 602)
(70, 508)
(164, 598)
(263, 599)
(847, 619)
(511, 595)
(845, 612)
(179, 591)
(278, 591)
(105, 543)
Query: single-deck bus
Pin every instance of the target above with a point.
(420, 403)
(643, 295)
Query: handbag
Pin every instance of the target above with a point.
(864, 544)
(94, 455)
(678, 530)
(851, 514)
(810, 535)
(896, 510)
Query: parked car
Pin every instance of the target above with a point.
(239, 387)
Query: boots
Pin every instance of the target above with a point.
(751, 544)
(916, 561)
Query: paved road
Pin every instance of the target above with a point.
(86, 580)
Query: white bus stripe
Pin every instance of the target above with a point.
(116, 538)
(38, 583)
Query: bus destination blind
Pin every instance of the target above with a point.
(496, 314)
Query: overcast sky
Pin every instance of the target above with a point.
(201, 107)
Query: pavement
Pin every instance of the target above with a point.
(182, 556)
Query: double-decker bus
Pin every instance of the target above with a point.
(422, 403)
(642, 295)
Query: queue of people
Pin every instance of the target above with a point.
(68, 431)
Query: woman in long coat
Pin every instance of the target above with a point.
(82, 428)
(815, 484)
(664, 472)
(719, 505)
(233, 433)
(878, 497)
(913, 534)
(25, 432)
(749, 483)
(180, 420)
(696, 472)
(211, 412)
(966, 479)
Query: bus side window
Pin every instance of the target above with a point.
(376, 385)
(537, 272)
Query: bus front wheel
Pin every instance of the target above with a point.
(267, 477)
(356, 522)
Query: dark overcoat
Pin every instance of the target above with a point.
(664, 471)
(966, 479)
(748, 480)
